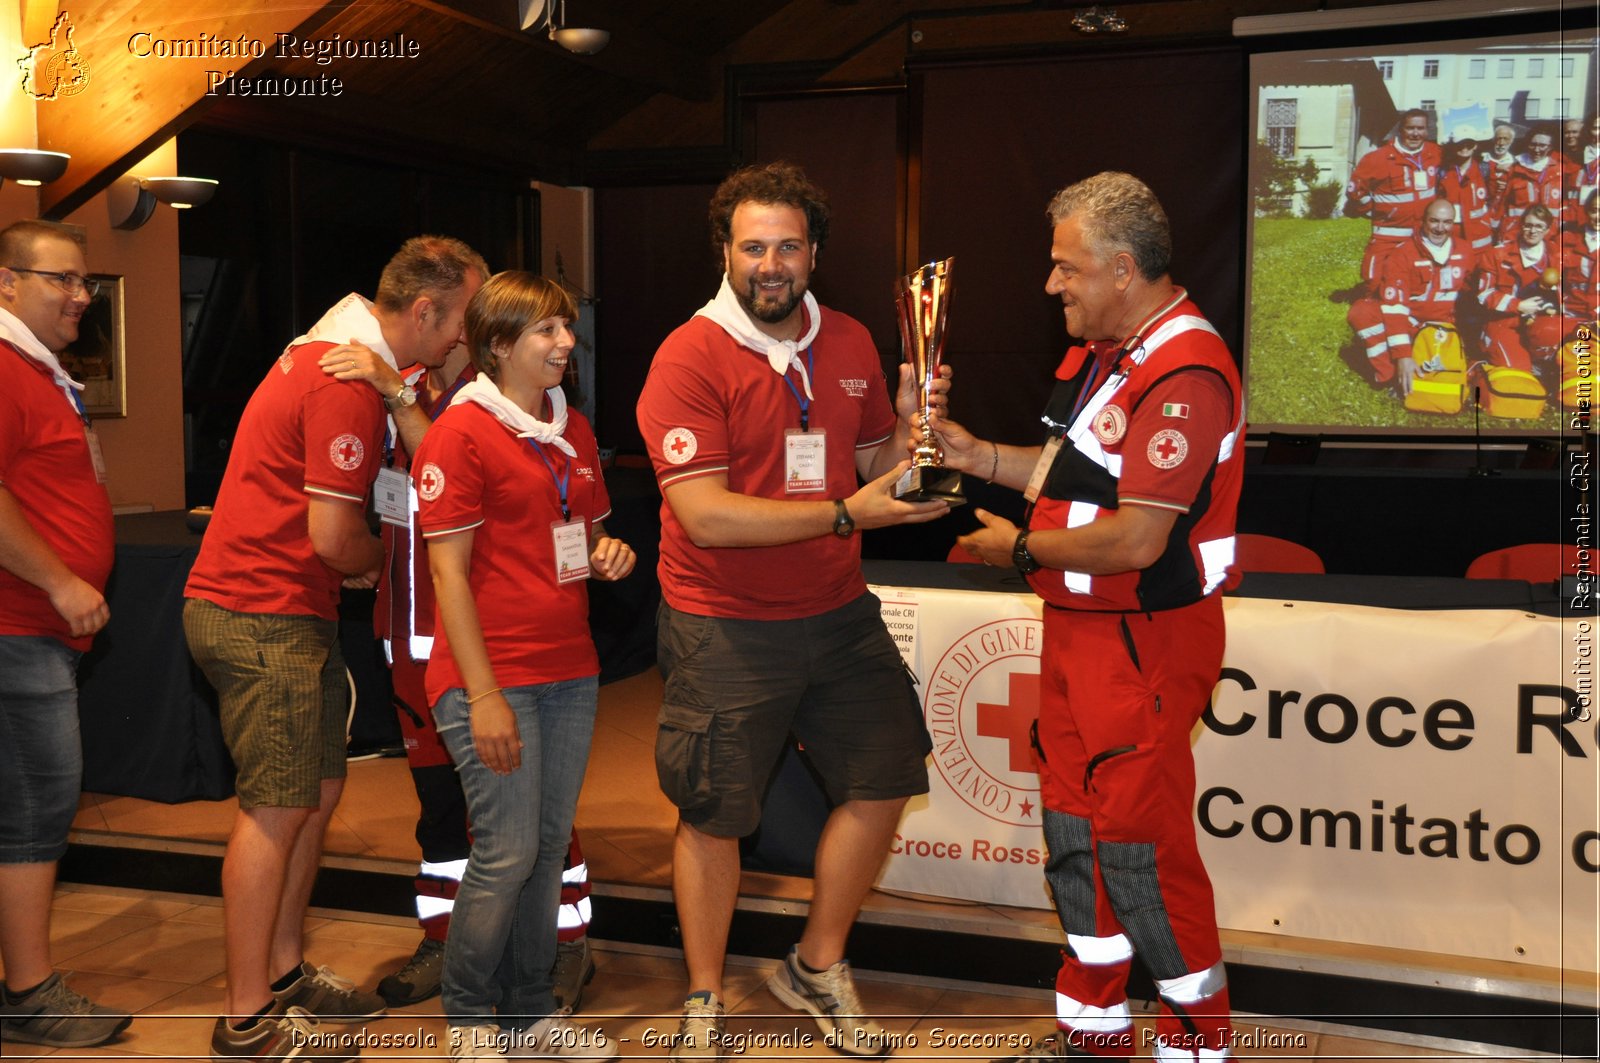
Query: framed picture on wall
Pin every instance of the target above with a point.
(97, 358)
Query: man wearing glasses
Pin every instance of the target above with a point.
(55, 554)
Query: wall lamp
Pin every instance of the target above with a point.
(27, 166)
(134, 199)
(552, 15)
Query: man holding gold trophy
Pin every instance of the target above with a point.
(760, 414)
(1128, 539)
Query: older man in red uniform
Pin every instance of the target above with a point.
(1419, 283)
(1128, 538)
(1538, 177)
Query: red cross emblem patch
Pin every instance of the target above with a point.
(1167, 449)
(1110, 425)
(678, 446)
(346, 452)
(430, 482)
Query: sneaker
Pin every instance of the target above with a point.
(700, 1029)
(483, 1041)
(418, 980)
(283, 1033)
(558, 1037)
(329, 997)
(574, 969)
(1055, 1046)
(831, 997)
(55, 1015)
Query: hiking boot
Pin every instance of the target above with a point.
(574, 969)
(558, 1037)
(700, 1029)
(329, 997)
(283, 1033)
(55, 1015)
(831, 997)
(418, 980)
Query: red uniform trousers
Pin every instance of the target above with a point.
(1516, 341)
(1120, 695)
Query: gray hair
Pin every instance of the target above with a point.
(1118, 213)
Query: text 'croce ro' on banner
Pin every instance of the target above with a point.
(1407, 778)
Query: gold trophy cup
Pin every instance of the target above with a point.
(923, 298)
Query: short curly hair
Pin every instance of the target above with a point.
(781, 183)
(1118, 212)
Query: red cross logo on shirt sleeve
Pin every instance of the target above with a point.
(678, 446)
(1167, 448)
(346, 452)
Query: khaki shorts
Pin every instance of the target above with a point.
(737, 689)
(284, 699)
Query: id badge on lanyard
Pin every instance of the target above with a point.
(97, 457)
(805, 461)
(393, 497)
(571, 544)
(805, 452)
(1041, 468)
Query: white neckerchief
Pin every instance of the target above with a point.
(22, 338)
(1590, 153)
(351, 318)
(1537, 167)
(1501, 159)
(1440, 253)
(482, 390)
(1591, 239)
(730, 314)
(1537, 255)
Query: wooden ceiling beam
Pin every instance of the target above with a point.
(132, 103)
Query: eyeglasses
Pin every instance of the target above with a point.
(71, 283)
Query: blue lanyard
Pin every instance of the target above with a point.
(1094, 383)
(83, 414)
(444, 400)
(805, 403)
(562, 481)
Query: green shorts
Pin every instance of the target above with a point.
(737, 689)
(284, 699)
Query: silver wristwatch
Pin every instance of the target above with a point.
(406, 396)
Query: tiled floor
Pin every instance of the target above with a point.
(161, 955)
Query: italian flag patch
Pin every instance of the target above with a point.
(1174, 409)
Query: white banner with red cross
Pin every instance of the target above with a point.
(1409, 778)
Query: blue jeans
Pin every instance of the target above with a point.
(502, 943)
(41, 754)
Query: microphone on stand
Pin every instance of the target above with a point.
(1478, 468)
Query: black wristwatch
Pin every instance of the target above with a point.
(843, 526)
(1021, 558)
